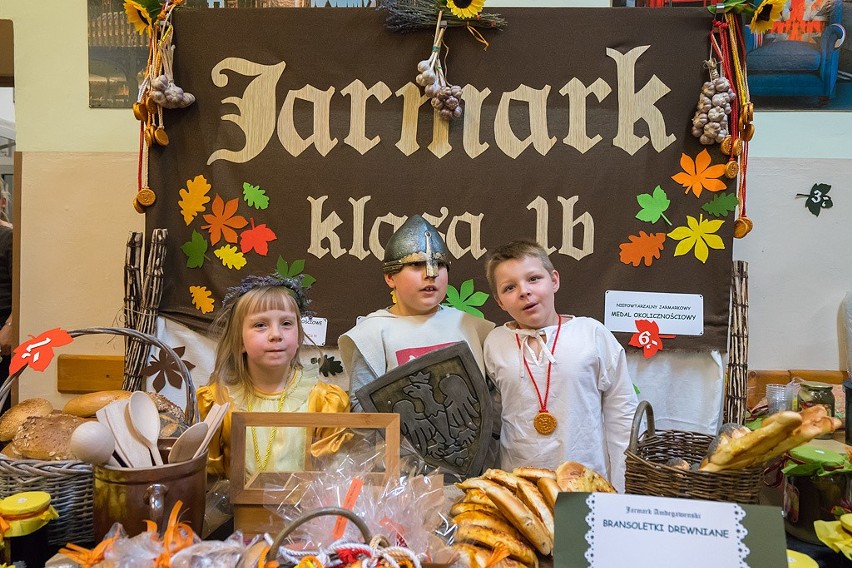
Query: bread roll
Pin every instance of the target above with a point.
(11, 452)
(476, 496)
(517, 513)
(532, 498)
(575, 477)
(478, 557)
(549, 490)
(172, 418)
(489, 538)
(47, 437)
(86, 405)
(13, 418)
(463, 507)
(534, 473)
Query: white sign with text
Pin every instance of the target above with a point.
(315, 330)
(675, 314)
(702, 534)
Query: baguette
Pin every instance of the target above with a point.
(549, 490)
(759, 441)
(490, 538)
(87, 405)
(485, 520)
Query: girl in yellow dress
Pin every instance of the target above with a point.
(258, 369)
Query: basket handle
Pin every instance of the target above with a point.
(191, 411)
(641, 410)
(339, 511)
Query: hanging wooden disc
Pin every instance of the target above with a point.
(544, 423)
(140, 112)
(161, 137)
(727, 145)
(732, 168)
(151, 105)
(748, 111)
(138, 206)
(742, 227)
(747, 132)
(149, 135)
(146, 196)
(738, 147)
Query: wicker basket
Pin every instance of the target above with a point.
(647, 473)
(71, 483)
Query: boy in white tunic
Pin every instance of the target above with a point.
(415, 269)
(566, 392)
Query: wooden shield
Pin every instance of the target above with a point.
(444, 405)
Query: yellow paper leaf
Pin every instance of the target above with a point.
(201, 298)
(230, 256)
(194, 198)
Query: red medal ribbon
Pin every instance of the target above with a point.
(542, 403)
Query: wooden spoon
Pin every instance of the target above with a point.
(92, 442)
(187, 444)
(103, 419)
(145, 419)
(213, 420)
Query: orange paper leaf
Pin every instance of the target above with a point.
(201, 298)
(38, 351)
(223, 219)
(642, 248)
(700, 175)
(193, 198)
(257, 238)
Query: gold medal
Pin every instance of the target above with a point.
(544, 422)
(146, 196)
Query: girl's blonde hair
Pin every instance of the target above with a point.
(230, 368)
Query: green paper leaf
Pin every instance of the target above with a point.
(281, 267)
(477, 299)
(722, 204)
(653, 206)
(466, 300)
(255, 196)
(194, 250)
(296, 267)
(308, 280)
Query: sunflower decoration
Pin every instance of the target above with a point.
(766, 14)
(410, 15)
(465, 9)
(138, 16)
(760, 15)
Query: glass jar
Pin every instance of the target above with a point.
(812, 393)
(25, 517)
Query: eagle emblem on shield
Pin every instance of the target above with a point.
(444, 406)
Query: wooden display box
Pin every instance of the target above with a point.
(247, 492)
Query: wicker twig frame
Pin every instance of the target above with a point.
(647, 473)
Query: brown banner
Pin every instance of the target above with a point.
(310, 141)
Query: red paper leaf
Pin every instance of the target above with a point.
(257, 238)
(38, 351)
(648, 338)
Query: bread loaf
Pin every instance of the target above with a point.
(47, 437)
(87, 405)
(575, 477)
(172, 418)
(13, 418)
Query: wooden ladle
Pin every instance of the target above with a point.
(145, 419)
(188, 442)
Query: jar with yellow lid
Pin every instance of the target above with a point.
(23, 527)
(812, 393)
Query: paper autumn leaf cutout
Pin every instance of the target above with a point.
(699, 175)
(642, 248)
(698, 234)
(202, 299)
(230, 257)
(653, 205)
(722, 204)
(285, 270)
(223, 220)
(817, 198)
(328, 365)
(194, 250)
(255, 196)
(193, 198)
(38, 351)
(256, 238)
(466, 299)
(648, 338)
(166, 369)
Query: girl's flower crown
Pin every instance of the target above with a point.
(293, 284)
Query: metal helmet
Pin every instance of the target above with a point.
(417, 240)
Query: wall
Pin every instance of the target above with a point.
(78, 179)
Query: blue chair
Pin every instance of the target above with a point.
(778, 66)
